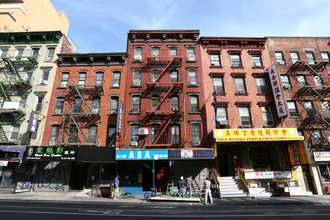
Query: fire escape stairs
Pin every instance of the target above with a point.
(79, 129)
(3, 136)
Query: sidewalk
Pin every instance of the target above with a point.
(82, 197)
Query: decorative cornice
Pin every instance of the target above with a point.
(233, 42)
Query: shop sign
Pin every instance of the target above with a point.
(268, 175)
(22, 186)
(119, 120)
(291, 156)
(302, 153)
(277, 91)
(191, 154)
(141, 154)
(50, 153)
(34, 122)
(321, 156)
(258, 134)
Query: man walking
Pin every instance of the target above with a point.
(207, 188)
(116, 188)
(181, 187)
(189, 184)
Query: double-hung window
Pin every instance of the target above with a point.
(154, 102)
(316, 134)
(292, 108)
(82, 79)
(309, 108)
(114, 105)
(194, 106)
(245, 116)
(310, 57)
(301, 81)
(154, 75)
(64, 80)
(175, 134)
(222, 115)
(325, 108)
(53, 135)
(294, 57)
(325, 56)
(15, 132)
(39, 103)
(45, 76)
(196, 134)
(256, 60)
(192, 77)
(28, 76)
(50, 53)
(137, 78)
(134, 135)
(155, 53)
(138, 53)
(96, 105)
(73, 134)
(19, 53)
(173, 52)
(279, 58)
(261, 85)
(92, 134)
(99, 78)
(59, 105)
(215, 59)
(174, 76)
(235, 60)
(136, 103)
(267, 116)
(174, 103)
(286, 82)
(240, 85)
(218, 85)
(154, 131)
(77, 105)
(318, 82)
(116, 79)
(191, 54)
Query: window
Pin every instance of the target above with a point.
(301, 81)
(222, 115)
(35, 52)
(134, 138)
(64, 80)
(138, 53)
(155, 53)
(261, 85)
(325, 171)
(137, 77)
(318, 82)
(99, 78)
(325, 108)
(309, 108)
(316, 134)
(53, 135)
(15, 132)
(215, 59)
(192, 77)
(195, 134)
(256, 60)
(45, 76)
(92, 131)
(154, 102)
(136, 103)
(12, 77)
(325, 56)
(50, 53)
(194, 107)
(218, 85)
(267, 116)
(73, 134)
(174, 76)
(19, 53)
(111, 139)
(28, 76)
(294, 56)
(114, 105)
(292, 108)
(96, 105)
(173, 52)
(174, 102)
(22, 102)
(81, 78)
(154, 133)
(235, 59)
(191, 54)
(59, 105)
(310, 57)
(77, 105)
(154, 75)
(286, 82)
(175, 134)
(39, 103)
(240, 85)
(116, 79)
(244, 113)
(279, 58)
(4, 52)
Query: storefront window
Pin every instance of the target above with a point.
(324, 171)
(267, 159)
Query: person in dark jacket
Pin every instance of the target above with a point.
(181, 187)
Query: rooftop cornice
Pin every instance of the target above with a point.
(233, 42)
(30, 37)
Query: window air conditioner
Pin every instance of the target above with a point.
(196, 142)
(143, 131)
(134, 143)
(137, 57)
(257, 64)
(175, 108)
(135, 109)
(223, 122)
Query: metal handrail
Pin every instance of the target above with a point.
(244, 181)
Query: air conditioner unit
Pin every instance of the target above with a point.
(136, 82)
(196, 142)
(135, 109)
(176, 108)
(134, 143)
(257, 64)
(137, 57)
(143, 131)
(223, 122)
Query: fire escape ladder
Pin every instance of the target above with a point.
(9, 64)
(317, 95)
(164, 70)
(82, 99)
(79, 129)
(4, 92)
(164, 128)
(163, 99)
(3, 136)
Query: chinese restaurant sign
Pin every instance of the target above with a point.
(191, 154)
(268, 175)
(277, 91)
(141, 154)
(259, 134)
(297, 154)
(50, 153)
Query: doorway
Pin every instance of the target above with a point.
(225, 162)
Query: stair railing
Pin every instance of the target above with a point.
(216, 182)
(244, 181)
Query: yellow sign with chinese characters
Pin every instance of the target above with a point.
(257, 134)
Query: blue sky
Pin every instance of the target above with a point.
(102, 25)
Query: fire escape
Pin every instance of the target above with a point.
(82, 110)
(310, 92)
(166, 112)
(12, 84)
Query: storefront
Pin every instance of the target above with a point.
(322, 158)
(266, 156)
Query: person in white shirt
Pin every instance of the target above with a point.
(207, 188)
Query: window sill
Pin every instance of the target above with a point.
(237, 67)
(258, 67)
(135, 113)
(136, 86)
(62, 87)
(262, 94)
(191, 61)
(112, 113)
(137, 61)
(114, 87)
(189, 85)
(57, 114)
(241, 94)
(246, 126)
(295, 117)
(216, 67)
(268, 126)
(49, 61)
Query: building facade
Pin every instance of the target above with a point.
(303, 66)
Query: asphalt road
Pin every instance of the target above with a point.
(63, 211)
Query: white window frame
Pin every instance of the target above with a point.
(50, 53)
(138, 53)
(45, 77)
(262, 85)
(191, 56)
(244, 113)
(116, 79)
(240, 85)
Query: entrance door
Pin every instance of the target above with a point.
(308, 178)
(225, 164)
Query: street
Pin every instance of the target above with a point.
(63, 211)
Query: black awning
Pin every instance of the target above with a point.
(96, 154)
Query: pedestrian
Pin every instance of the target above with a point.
(188, 184)
(181, 187)
(116, 188)
(207, 188)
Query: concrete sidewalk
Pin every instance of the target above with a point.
(82, 197)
